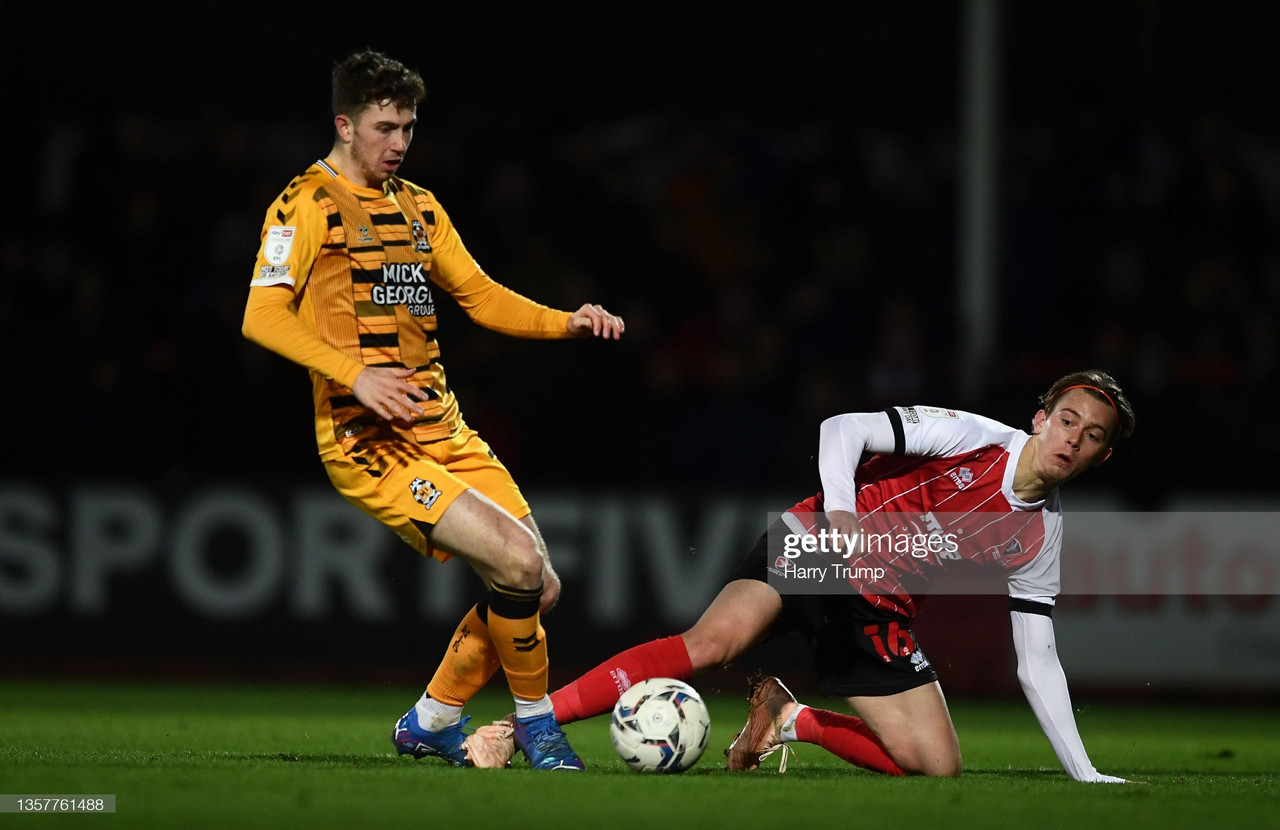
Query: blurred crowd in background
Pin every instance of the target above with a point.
(772, 270)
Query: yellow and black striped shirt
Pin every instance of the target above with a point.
(362, 264)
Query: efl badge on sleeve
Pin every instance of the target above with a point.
(278, 244)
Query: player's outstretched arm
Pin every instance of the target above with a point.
(1045, 685)
(500, 309)
(593, 321)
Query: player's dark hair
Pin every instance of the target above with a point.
(370, 77)
(1100, 385)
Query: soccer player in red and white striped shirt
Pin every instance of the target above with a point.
(989, 489)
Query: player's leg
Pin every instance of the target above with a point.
(470, 660)
(742, 614)
(871, 658)
(505, 554)
(469, 458)
(413, 492)
(513, 623)
(778, 719)
(913, 727)
(509, 556)
(739, 617)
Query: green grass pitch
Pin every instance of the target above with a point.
(218, 755)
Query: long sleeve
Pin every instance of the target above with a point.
(1045, 685)
(842, 439)
(270, 322)
(500, 309)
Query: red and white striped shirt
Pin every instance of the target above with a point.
(939, 475)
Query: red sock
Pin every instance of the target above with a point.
(845, 737)
(595, 692)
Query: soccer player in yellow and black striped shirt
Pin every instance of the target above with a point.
(345, 284)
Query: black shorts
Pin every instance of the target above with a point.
(857, 648)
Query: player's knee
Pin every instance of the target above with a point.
(520, 565)
(707, 649)
(951, 772)
(550, 591)
(947, 766)
(521, 572)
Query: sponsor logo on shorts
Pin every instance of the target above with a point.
(424, 492)
(919, 660)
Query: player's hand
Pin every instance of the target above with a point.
(844, 523)
(845, 526)
(386, 391)
(592, 320)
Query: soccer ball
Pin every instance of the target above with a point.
(660, 725)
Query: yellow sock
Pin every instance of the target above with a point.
(469, 662)
(519, 639)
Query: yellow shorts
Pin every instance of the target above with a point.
(408, 487)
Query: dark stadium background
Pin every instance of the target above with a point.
(769, 200)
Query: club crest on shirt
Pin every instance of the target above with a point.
(1012, 548)
(421, 245)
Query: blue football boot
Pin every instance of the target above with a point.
(544, 743)
(411, 739)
